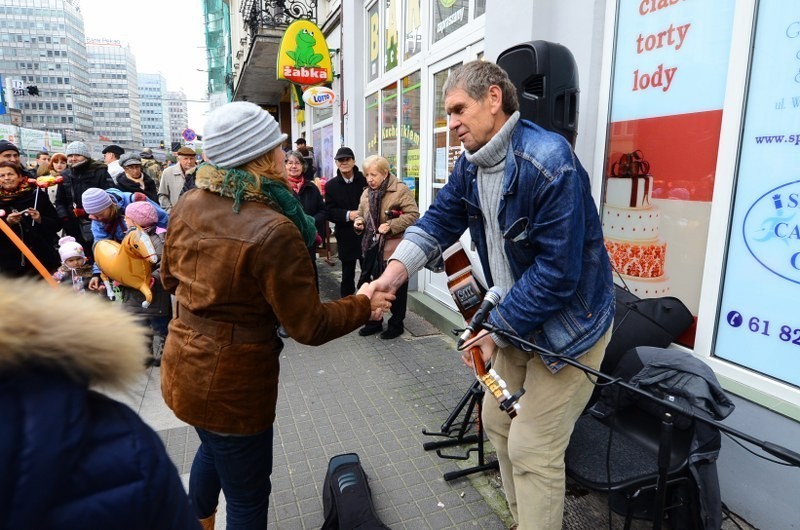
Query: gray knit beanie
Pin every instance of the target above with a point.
(78, 148)
(239, 132)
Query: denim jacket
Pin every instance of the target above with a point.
(563, 295)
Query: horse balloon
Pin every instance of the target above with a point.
(129, 262)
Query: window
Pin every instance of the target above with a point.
(446, 147)
(448, 17)
(373, 30)
(372, 123)
(410, 102)
(413, 28)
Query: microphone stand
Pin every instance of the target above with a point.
(665, 442)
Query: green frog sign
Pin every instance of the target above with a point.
(304, 58)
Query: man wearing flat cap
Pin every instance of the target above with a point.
(173, 178)
(342, 195)
(111, 156)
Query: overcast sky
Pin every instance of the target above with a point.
(166, 36)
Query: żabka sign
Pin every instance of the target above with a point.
(303, 57)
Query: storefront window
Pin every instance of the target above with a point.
(371, 125)
(373, 30)
(391, 45)
(480, 7)
(322, 138)
(410, 132)
(670, 69)
(446, 147)
(388, 129)
(758, 326)
(413, 27)
(448, 16)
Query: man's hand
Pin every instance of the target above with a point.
(485, 343)
(392, 278)
(358, 225)
(379, 301)
(353, 215)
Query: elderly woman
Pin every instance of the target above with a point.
(236, 258)
(28, 212)
(135, 179)
(309, 195)
(386, 209)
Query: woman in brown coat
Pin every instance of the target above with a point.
(236, 258)
(387, 208)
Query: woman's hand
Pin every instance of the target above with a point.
(35, 215)
(14, 218)
(384, 228)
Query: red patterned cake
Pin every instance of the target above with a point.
(631, 232)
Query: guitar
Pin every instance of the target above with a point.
(468, 295)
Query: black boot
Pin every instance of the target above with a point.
(372, 327)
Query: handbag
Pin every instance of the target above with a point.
(389, 246)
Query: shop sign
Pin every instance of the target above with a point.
(670, 72)
(319, 97)
(758, 324)
(303, 57)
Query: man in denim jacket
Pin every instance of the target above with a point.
(526, 200)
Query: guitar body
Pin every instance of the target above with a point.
(468, 295)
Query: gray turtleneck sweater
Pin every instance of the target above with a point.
(490, 160)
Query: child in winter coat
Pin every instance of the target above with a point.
(159, 313)
(75, 269)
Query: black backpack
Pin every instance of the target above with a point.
(346, 497)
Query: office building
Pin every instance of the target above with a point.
(115, 93)
(178, 112)
(153, 110)
(43, 55)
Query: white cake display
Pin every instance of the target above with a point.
(631, 232)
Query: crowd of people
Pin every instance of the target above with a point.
(235, 240)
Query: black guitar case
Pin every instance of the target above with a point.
(346, 497)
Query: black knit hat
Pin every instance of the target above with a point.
(5, 145)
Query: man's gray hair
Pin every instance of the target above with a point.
(476, 77)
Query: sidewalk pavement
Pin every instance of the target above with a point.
(372, 397)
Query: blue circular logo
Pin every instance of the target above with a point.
(771, 231)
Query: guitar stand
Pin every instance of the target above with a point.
(457, 434)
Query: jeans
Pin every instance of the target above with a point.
(240, 466)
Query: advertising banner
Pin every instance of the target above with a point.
(757, 326)
(304, 58)
(668, 89)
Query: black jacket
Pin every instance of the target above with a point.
(40, 238)
(92, 174)
(339, 198)
(311, 199)
(69, 204)
(150, 188)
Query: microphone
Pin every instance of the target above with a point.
(491, 300)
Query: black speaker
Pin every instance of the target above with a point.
(546, 78)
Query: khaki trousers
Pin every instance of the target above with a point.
(530, 449)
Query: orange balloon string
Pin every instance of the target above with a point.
(27, 252)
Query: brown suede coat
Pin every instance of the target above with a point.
(243, 273)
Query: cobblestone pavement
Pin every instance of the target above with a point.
(372, 397)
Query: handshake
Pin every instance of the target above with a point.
(381, 291)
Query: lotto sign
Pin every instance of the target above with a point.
(189, 135)
(319, 97)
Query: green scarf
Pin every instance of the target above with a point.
(237, 185)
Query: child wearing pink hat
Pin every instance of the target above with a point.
(159, 313)
(75, 268)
